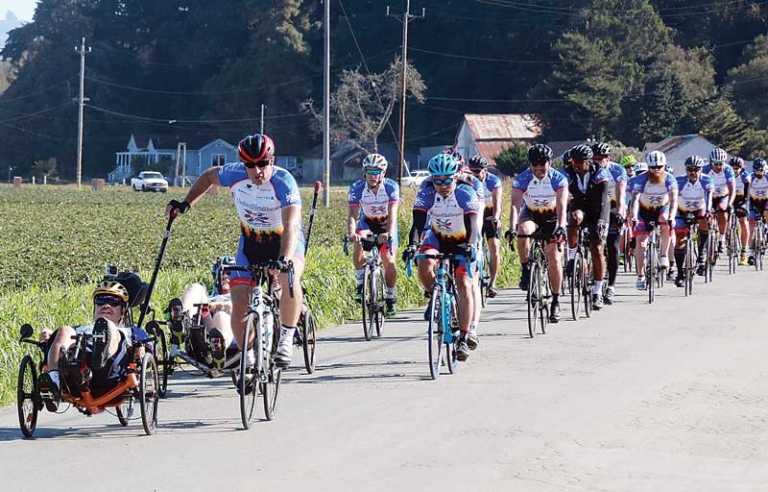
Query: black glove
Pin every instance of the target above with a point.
(180, 207)
(408, 253)
(559, 233)
(471, 252)
(510, 235)
(283, 264)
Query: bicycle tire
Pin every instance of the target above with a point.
(650, 270)
(544, 302)
(247, 400)
(366, 306)
(270, 375)
(688, 266)
(27, 396)
(434, 336)
(451, 351)
(379, 302)
(149, 394)
(586, 282)
(309, 339)
(534, 298)
(575, 281)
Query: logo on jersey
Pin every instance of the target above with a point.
(255, 218)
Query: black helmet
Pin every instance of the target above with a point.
(478, 162)
(759, 164)
(567, 157)
(694, 161)
(736, 161)
(582, 152)
(601, 149)
(255, 148)
(539, 153)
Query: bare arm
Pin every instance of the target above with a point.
(561, 201)
(496, 198)
(731, 193)
(210, 177)
(352, 217)
(393, 209)
(291, 216)
(621, 194)
(672, 204)
(516, 203)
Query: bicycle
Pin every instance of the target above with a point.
(627, 250)
(443, 324)
(484, 267)
(263, 315)
(713, 239)
(732, 240)
(539, 291)
(654, 276)
(689, 263)
(373, 303)
(759, 243)
(580, 277)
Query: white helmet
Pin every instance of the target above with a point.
(718, 155)
(375, 161)
(656, 158)
(640, 167)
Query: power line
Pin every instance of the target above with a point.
(4, 100)
(31, 115)
(479, 58)
(172, 120)
(196, 93)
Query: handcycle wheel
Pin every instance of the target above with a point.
(161, 354)
(534, 298)
(366, 304)
(149, 392)
(378, 297)
(435, 335)
(247, 399)
(309, 339)
(27, 396)
(575, 285)
(124, 411)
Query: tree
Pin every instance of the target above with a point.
(748, 82)
(362, 105)
(44, 168)
(513, 160)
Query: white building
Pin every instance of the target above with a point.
(679, 147)
(489, 134)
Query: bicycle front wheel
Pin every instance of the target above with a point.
(366, 304)
(378, 297)
(689, 267)
(650, 271)
(575, 281)
(245, 385)
(534, 298)
(270, 375)
(435, 335)
(27, 396)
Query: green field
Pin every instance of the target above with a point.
(55, 242)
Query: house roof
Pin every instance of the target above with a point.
(194, 141)
(504, 127)
(670, 143)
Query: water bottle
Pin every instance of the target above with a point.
(268, 326)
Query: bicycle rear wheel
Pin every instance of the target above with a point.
(161, 354)
(759, 245)
(435, 335)
(246, 388)
(309, 339)
(534, 298)
(149, 395)
(575, 281)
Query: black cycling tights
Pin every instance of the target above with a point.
(613, 257)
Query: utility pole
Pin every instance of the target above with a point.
(327, 107)
(262, 120)
(82, 51)
(404, 19)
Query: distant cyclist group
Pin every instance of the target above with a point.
(571, 228)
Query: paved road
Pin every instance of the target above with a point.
(671, 397)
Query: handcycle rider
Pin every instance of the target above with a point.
(108, 354)
(268, 205)
(540, 202)
(590, 207)
(373, 205)
(454, 228)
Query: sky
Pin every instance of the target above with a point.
(24, 9)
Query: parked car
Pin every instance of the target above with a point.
(149, 181)
(415, 178)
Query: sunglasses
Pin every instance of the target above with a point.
(442, 181)
(655, 168)
(373, 172)
(476, 170)
(112, 301)
(539, 164)
(717, 163)
(259, 164)
(693, 169)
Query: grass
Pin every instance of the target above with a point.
(55, 242)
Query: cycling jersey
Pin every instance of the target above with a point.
(374, 205)
(758, 195)
(586, 191)
(616, 174)
(449, 217)
(741, 182)
(653, 199)
(539, 195)
(491, 183)
(259, 208)
(720, 180)
(692, 197)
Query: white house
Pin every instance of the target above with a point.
(679, 147)
(489, 134)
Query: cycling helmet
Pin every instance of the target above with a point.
(443, 165)
(601, 149)
(539, 153)
(582, 152)
(375, 161)
(567, 157)
(736, 161)
(759, 164)
(640, 167)
(255, 148)
(628, 161)
(718, 155)
(478, 162)
(111, 288)
(656, 158)
(694, 161)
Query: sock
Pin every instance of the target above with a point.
(287, 331)
(250, 357)
(389, 293)
(360, 276)
(473, 328)
(54, 375)
(703, 238)
(556, 298)
(598, 287)
(571, 253)
(679, 260)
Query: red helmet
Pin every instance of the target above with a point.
(255, 148)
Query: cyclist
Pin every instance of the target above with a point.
(617, 188)
(628, 162)
(268, 205)
(478, 166)
(107, 355)
(694, 198)
(539, 202)
(655, 200)
(723, 180)
(378, 198)
(758, 197)
(453, 208)
(740, 203)
(589, 207)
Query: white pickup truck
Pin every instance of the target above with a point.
(149, 181)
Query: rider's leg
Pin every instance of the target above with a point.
(241, 294)
(525, 228)
(194, 294)
(555, 267)
(426, 268)
(641, 236)
(681, 235)
(390, 268)
(466, 301)
(666, 240)
(494, 250)
(598, 265)
(358, 261)
(575, 219)
(291, 302)
(744, 236)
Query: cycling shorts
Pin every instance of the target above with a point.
(461, 263)
(249, 252)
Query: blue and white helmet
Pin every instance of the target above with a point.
(375, 161)
(718, 155)
(443, 165)
(656, 158)
(640, 167)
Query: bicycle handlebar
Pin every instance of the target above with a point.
(260, 266)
